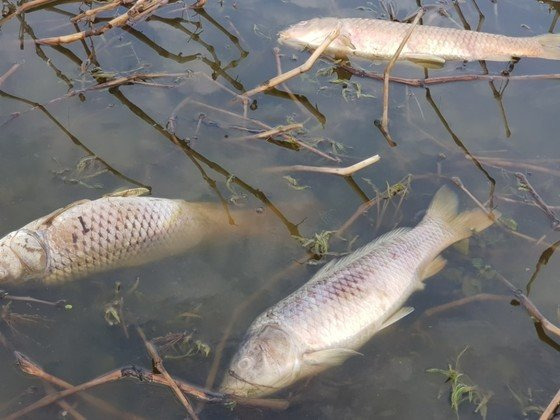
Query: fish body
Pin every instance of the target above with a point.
(347, 302)
(429, 45)
(111, 232)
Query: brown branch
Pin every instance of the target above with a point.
(386, 73)
(548, 413)
(480, 297)
(140, 373)
(347, 171)
(448, 79)
(530, 307)
(305, 67)
(539, 201)
(157, 364)
(140, 10)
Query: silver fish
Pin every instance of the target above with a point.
(325, 321)
(428, 45)
(111, 232)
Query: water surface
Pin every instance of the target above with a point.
(124, 135)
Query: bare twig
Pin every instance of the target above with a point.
(298, 70)
(141, 374)
(548, 413)
(5, 296)
(270, 133)
(480, 297)
(347, 171)
(10, 71)
(158, 366)
(530, 307)
(386, 73)
(140, 10)
(49, 389)
(293, 97)
(448, 79)
(539, 201)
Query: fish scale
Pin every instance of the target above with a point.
(429, 45)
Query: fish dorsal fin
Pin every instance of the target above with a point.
(129, 192)
(381, 241)
(434, 267)
(48, 219)
(426, 60)
(328, 357)
(397, 316)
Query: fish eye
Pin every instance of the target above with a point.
(244, 363)
(303, 23)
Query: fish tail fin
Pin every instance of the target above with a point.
(550, 44)
(444, 209)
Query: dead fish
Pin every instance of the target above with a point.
(330, 317)
(428, 45)
(111, 232)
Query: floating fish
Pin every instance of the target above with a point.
(430, 46)
(111, 232)
(330, 317)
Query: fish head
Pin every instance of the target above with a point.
(308, 33)
(266, 362)
(23, 256)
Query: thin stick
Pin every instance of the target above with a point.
(530, 307)
(140, 10)
(300, 69)
(480, 297)
(49, 389)
(293, 97)
(10, 71)
(347, 171)
(551, 408)
(5, 296)
(32, 368)
(386, 73)
(112, 376)
(270, 133)
(539, 201)
(143, 375)
(157, 363)
(448, 79)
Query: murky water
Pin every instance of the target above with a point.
(123, 138)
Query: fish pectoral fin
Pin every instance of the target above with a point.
(434, 267)
(426, 60)
(329, 357)
(345, 40)
(397, 316)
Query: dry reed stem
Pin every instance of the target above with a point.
(10, 71)
(140, 10)
(25, 7)
(92, 13)
(293, 97)
(270, 133)
(49, 389)
(548, 413)
(386, 73)
(347, 171)
(157, 363)
(305, 67)
(501, 163)
(5, 296)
